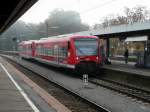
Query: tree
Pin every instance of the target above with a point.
(19, 31)
(63, 22)
(136, 14)
(59, 22)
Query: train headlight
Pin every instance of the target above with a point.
(68, 54)
(97, 57)
(77, 58)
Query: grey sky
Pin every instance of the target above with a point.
(91, 11)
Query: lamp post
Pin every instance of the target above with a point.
(48, 27)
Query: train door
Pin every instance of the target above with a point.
(56, 54)
(62, 53)
(33, 49)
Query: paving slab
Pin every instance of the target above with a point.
(129, 68)
(38, 100)
(10, 97)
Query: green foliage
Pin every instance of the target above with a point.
(59, 22)
(63, 22)
(131, 15)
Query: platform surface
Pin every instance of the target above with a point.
(17, 100)
(11, 100)
(129, 68)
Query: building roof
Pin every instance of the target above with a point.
(11, 10)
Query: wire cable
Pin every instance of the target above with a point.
(98, 6)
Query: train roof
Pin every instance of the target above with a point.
(63, 38)
(27, 42)
(57, 38)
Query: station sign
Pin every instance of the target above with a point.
(137, 38)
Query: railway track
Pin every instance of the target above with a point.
(72, 100)
(124, 88)
(134, 92)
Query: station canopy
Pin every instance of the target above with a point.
(11, 10)
(138, 38)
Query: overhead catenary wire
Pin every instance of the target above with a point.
(98, 6)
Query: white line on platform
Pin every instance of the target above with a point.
(21, 90)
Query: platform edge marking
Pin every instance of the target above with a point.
(20, 90)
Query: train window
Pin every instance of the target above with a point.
(38, 49)
(62, 51)
(46, 51)
(65, 52)
(55, 51)
(86, 46)
(49, 52)
(52, 51)
(43, 50)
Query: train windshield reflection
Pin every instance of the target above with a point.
(86, 47)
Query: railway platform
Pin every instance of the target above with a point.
(128, 74)
(18, 96)
(128, 68)
(11, 96)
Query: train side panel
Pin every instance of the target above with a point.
(78, 52)
(55, 53)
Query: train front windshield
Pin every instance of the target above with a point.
(86, 46)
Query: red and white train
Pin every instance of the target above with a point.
(80, 53)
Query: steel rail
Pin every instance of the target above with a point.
(139, 94)
(62, 86)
